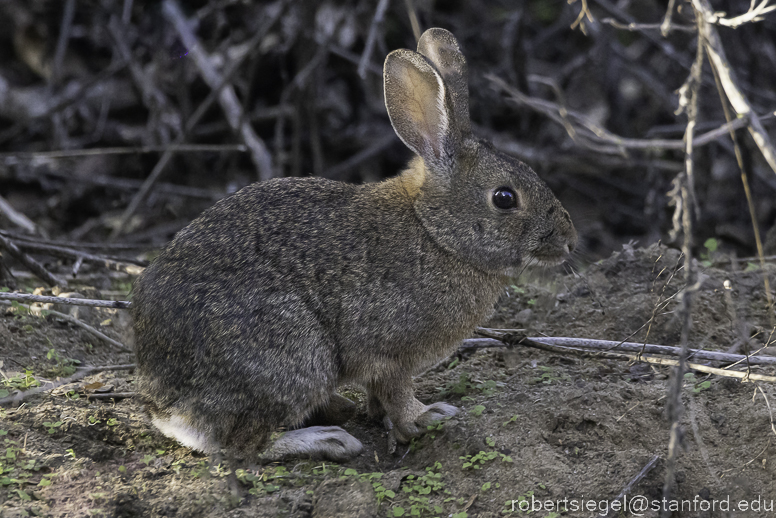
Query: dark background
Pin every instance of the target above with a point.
(299, 86)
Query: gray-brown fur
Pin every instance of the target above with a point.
(262, 306)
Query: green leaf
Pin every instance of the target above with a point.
(485, 486)
(398, 511)
(711, 245)
(350, 472)
(477, 410)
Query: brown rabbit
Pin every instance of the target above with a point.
(263, 305)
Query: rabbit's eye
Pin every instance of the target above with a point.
(505, 198)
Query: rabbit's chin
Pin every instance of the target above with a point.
(532, 261)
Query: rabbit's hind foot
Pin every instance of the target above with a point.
(328, 442)
(178, 428)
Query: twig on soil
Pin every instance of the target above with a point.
(111, 395)
(636, 347)
(130, 266)
(80, 374)
(768, 404)
(33, 265)
(45, 299)
(546, 344)
(635, 480)
(80, 323)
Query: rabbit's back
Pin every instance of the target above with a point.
(291, 286)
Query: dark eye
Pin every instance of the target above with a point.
(505, 198)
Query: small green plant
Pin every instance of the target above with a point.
(51, 427)
(147, 459)
(112, 421)
(419, 491)
(482, 458)
(548, 376)
(269, 481)
(64, 366)
(477, 410)
(93, 420)
(511, 420)
(19, 309)
(697, 386)
(711, 245)
(17, 381)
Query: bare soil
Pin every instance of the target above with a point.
(532, 424)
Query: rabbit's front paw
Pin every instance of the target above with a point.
(404, 431)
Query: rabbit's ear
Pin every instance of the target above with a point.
(417, 104)
(442, 49)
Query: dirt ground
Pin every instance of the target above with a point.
(533, 426)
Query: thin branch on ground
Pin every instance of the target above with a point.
(635, 480)
(745, 376)
(503, 339)
(130, 266)
(80, 374)
(45, 299)
(34, 266)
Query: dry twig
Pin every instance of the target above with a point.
(80, 374)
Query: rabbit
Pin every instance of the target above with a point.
(260, 308)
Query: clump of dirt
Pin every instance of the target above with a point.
(534, 428)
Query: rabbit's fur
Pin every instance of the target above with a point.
(256, 312)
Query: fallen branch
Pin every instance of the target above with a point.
(629, 487)
(610, 345)
(541, 343)
(131, 266)
(45, 299)
(33, 265)
(80, 374)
